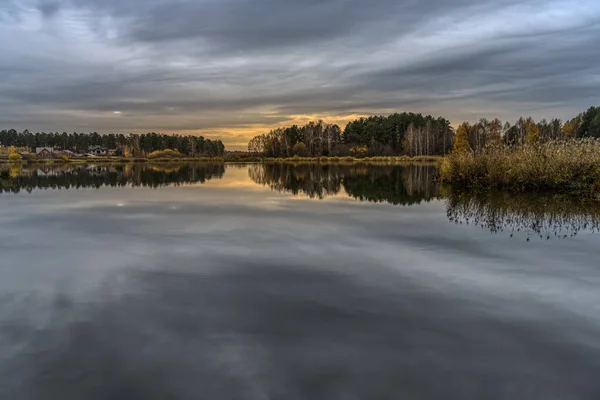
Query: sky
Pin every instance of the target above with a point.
(230, 69)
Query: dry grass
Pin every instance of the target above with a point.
(572, 166)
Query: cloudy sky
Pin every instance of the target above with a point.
(231, 68)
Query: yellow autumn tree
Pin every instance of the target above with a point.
(570, 128)
(14, 156)
(532, 132)
(461, 139)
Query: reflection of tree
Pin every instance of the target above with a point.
(392, 184)
(403, 185)
(316, 181)
(34, 177)
(545, 216)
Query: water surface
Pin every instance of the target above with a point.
(297, 282)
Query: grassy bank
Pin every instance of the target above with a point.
(566, 166)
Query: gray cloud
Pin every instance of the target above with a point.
(220, 66)
(49, 8)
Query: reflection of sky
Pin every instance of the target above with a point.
(79, 246)
(237, 177)
(236, 216)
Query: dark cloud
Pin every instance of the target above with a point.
(250, 24)
(225, 64)
(49, 8)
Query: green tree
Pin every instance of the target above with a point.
(590, 124)
(594, 127)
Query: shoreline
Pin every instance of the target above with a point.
(230, 160)
(457, 184)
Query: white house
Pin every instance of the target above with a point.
(97, 150)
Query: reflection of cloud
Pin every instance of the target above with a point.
(253, 330)
(211, 291)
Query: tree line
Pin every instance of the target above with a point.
(416, 135)
(478, 136)
(136, 145)
(397, 134)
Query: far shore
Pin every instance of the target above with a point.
(229, 159)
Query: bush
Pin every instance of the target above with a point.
(359, 151)
(14, 157)
(300, 150)
(166, 153)
(63, 158)
(340, 150)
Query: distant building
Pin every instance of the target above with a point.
(97, 150)
(44, 151)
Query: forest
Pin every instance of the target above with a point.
(526, 130)
(415, 135)
(134, 144)
(528, 156)
(406, 133)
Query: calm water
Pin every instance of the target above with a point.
(280, 282)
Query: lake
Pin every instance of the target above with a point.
(291, 282)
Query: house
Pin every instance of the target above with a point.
(44, 151)
(97, 150)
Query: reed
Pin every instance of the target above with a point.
(560, 166)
